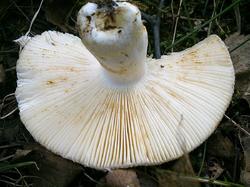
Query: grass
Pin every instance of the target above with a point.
(9, 170)
(199, 179)
(8, 166)
(183, 23)
(198, 28)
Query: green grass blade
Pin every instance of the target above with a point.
(4, 167)
(204, 24)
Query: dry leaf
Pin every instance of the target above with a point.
(183, 167)
(241, 61)
(220, 146)
(21, 153)
(53, 170)
(122, 178)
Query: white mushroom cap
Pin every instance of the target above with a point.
(70, 106)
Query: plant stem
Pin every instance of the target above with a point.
(198, 179)
(204, 24)
(155, 21)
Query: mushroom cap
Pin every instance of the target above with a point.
(69, 106)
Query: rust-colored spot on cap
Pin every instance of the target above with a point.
(50, 82)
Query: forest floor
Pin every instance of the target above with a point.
(222, 160)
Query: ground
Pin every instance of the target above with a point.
(222, 160)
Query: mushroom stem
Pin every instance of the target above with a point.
(117, 38)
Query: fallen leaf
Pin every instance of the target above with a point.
(220, 146)
(121, 178)
(53, 170)
(240, 45)
(21, 153)
(183, 167)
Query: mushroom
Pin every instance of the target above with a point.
(100, 101)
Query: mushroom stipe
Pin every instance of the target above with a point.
(100, 101)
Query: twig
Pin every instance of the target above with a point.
(7, 96)
(203, 158)
(2, 105)
(155, 21)
(238, 18)
(241, 44)
(10, 69)
(176, 23)
(29, 30)
(204, 24)
(20, 10)
(93, 180)
(10, 183)
(9, 51)
(7, 177)
(10, 113)
(192, 19)
(200, 179)
(34, 18)
(17, 165)
(237, 125)
(211, 23)
(7, 157)
(22, 178)
(10, 146)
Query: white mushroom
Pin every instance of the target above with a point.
(117, 108)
